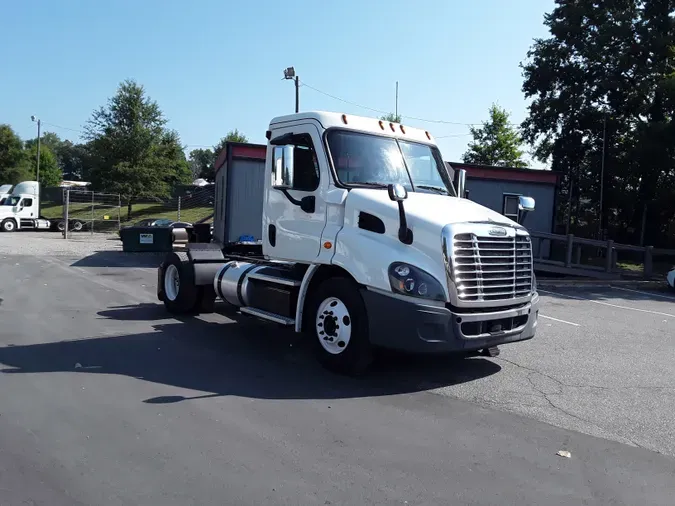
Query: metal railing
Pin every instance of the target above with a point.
(573, 256)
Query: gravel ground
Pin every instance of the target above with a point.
(53, 244)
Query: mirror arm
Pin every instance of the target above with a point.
(404, 233)
(307, 204)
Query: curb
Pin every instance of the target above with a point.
(598, 283)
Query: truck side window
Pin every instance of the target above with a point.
(305, 167)
(27, 202)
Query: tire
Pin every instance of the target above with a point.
(338, 298)
(77, 226)
(60, 226)
(8, 225)
(180, 294)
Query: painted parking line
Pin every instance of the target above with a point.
(608, 304)
(558, 320)
(651, 294)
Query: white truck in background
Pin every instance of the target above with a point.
(366, 242)
(21, 209)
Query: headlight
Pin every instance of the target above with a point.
(408, 280)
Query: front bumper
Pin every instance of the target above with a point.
(413, 326)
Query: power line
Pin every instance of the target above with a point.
(64, 128)
(380, 111)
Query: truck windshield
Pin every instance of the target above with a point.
(363, 160)
(11, 201)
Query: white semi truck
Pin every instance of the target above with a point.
(21, 209)
(366, 242)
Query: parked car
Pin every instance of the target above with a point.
(161, 222)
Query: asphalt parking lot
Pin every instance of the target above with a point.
(104, 399)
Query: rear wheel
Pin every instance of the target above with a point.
(77, 226)
(339, 327)
(179, 292)
(9, 225)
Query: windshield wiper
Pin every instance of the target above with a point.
(368, 184)
(438, 189)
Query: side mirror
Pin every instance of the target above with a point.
(525, 205)
(283, 167)
(397, 192)
(461, 183)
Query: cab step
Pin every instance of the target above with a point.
(267, 315)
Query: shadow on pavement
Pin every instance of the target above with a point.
(250, 359)
(120, 259)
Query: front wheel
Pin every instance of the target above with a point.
(339, 327)
(9, 225)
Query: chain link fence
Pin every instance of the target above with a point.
(89, 211)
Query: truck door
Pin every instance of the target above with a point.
(26, 208)
(294, 214)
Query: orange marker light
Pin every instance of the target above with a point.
(402, 129)
(328, 245)
(428, 135)
(381, 125)
(391, 125)
(344, 119)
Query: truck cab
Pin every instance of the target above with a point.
(21, 209)
(366, 242)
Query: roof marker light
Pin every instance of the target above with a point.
(402, 129)
(344, 119)
(391, 125)
(428, 135)
(381, 124)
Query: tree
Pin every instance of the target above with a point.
(232, 136)
(391, 117)
(496, 142)
(12, 157)
(201, 162)
(607, 68)
(132, 153)
(50, 173)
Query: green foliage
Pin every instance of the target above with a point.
(50, 173)
(496, 142)
(13, 168)
(608, 66)
(131, 151)
(394, 118)
(201, 162)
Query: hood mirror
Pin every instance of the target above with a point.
(397, 192)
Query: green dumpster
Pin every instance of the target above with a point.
(137, 239)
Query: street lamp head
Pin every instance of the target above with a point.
(33, 118)
(289, 73)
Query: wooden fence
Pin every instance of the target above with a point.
(572, 263)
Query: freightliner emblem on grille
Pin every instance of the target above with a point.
(497, 231)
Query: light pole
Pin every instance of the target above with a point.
(37, 172)
(289, 73)
(602, 168)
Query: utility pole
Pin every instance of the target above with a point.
(396, 106)
(602, 170)
(289, 73)
(37, 172)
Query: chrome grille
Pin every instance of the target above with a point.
(492, 268)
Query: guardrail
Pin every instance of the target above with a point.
(573, 252)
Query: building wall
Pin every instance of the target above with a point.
(244, 206)
(490, 193)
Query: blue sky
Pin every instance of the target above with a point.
(213, 67)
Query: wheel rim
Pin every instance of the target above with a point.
(333, 325)
(171, 282)
(60, 226)
(77, 226)
(9, 226)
